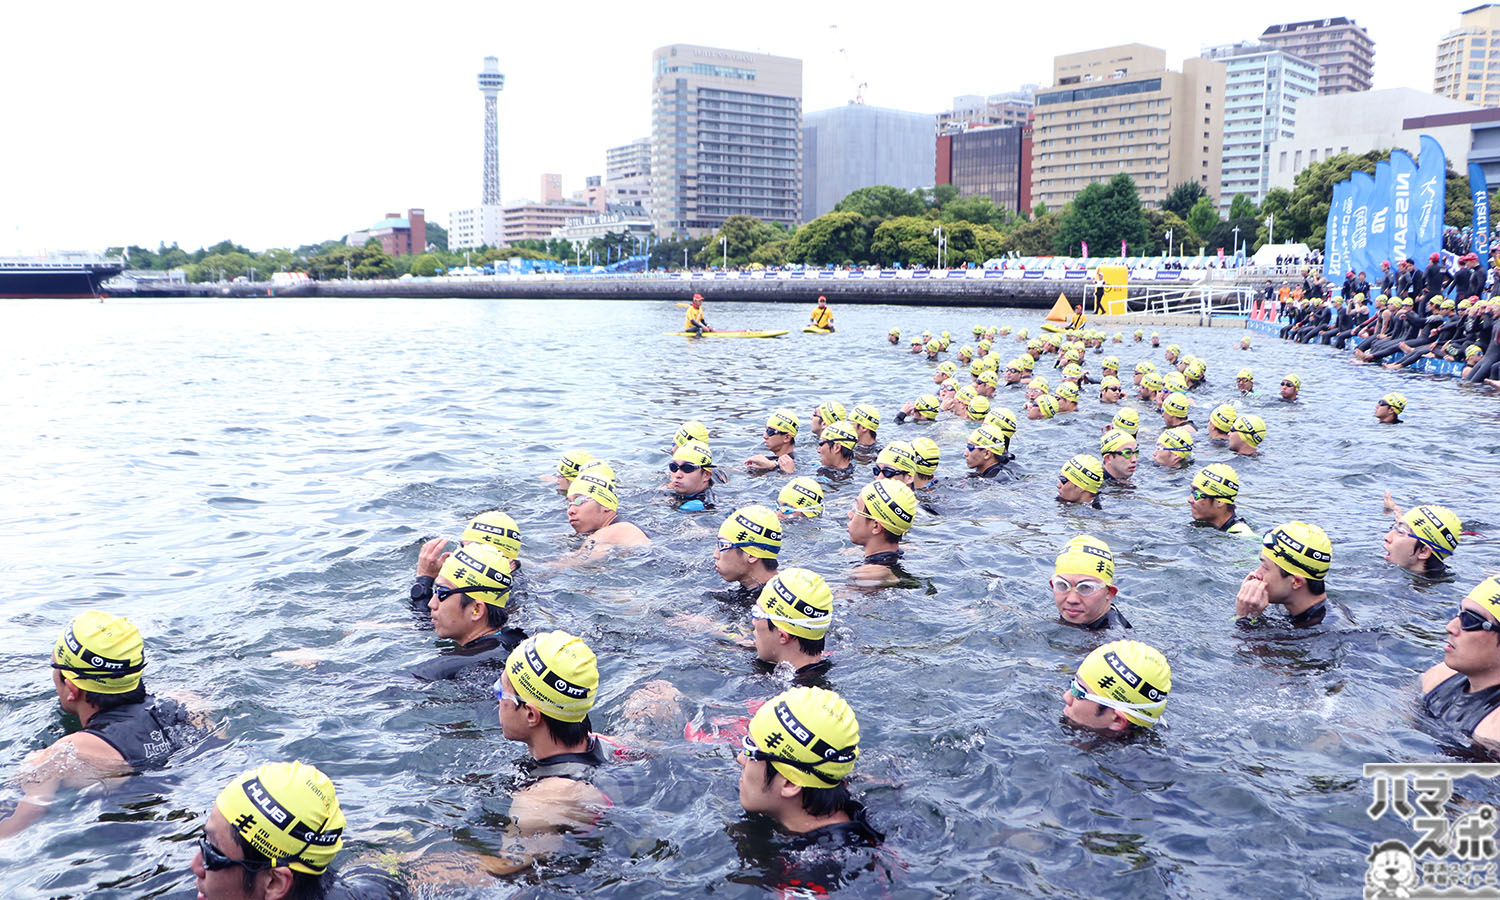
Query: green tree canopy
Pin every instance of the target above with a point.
(1203, 217)
(1241, 207)
(743, 235)
(831, 239)
(1158, 223)
(1181, 197)
(883, 202)
(1103, 214)
(1033, 238)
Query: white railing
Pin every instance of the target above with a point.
(1204, 301)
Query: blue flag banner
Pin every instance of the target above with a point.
(1380, 220)
(1359, 222)
(1403, 188)
(1480, 192)
(1431, 192)
(1346, 227)
(1331, 246)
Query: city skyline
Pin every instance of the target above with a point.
(287, 129)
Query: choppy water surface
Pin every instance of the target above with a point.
(247, 477)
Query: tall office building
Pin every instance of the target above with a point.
(1119, 109)
(1342, 51)
(993, 161)
(726, 138)
(854, 146)
(480, 226)
(627, 174)
(1468, 59)
(1261, 88)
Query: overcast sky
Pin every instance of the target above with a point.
(279, 123)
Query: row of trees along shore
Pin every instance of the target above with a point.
(879, 225)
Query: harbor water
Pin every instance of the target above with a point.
(249, 481)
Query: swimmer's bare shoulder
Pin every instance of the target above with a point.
(621, 534)
(1436, 676)
(872, 575)
(557, 804)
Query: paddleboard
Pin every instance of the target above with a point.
(1052, 326)
(813, 329)
(741, 334)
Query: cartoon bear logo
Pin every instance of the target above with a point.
(1392, 871)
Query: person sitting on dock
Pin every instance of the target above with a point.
(695, 322)
(822, 316)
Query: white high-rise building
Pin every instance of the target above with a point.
(481, 226)
(627, 174)
(1261, 88)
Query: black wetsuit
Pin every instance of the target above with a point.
(889, 558)
(813, 863)
(1452, 702)
(699, 502)
(145, 734)
(1236, 525)
(1309, 617)
(1000, 471)
(580, 766)
(1112, 618)
(837, 474)
(362, 883)
(1489, 364)
(492, 649)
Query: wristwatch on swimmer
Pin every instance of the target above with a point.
(421, 589)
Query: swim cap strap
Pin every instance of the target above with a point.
(93, 665)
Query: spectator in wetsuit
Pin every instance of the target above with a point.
(1292, 570)
(1215, 489)
(1463, 691)
(1422, 538)
(468, 606)
(1436, 330)
(273, 834)
(747, 550)
(96, 673)
(1387, 279)
(1121, 689)
(794, 769)
(1083, 585)
(791, 618)
(1489, 364)
(987, 453)
(1436, 277)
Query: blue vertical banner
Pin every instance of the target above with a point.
(1380, 221)
(1480, 192)
(1359, 222)
(1403, 189)
(1333, 248)
(1431, 193)
(1346, 227)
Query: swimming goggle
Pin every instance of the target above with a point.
(1131, 453)
(687, 467)
(1468, 620)
(885, 471)
(774, 431)
(1403, 529)
(215, 859)
(443, 593)
(1080, 692)
(748, 748)
(1085, 588)
(725, 546)
(806, 621)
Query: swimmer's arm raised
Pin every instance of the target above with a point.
(78, 759)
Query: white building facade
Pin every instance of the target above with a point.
(1262, 87)
(478, 226)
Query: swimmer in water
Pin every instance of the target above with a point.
(749, 544)
(1464, 689)
(1110, 390)
(1246, 435)
(1389, 408)
(593, 510)
(1174, 449)
(882, 514)
(866, 421)
(691, 477)
(923, 409)
(97, 663)
(1120, 454)
(1174, 411)
(493, 527)
(791, 618)
(467, 605)
(567, 468)
(1043, 407)
(897, 462)
(826, 414)
(1290, 385)
(1421, 539)
(1121, 689)
(836, 451)
(1215, 489)
(1083, 585)
(1221, 422)
(987, 453)
(1245, 381)
(1293, 567)
(802, 497)
(1080, 480)
(1126, 420)
(894, 336)
(1142, 369)
(273, 834)
(927, 454)
(781, 444)
(1067, 397)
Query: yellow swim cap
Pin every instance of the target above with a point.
(1086, 555)
(988, 375)
(482, 566)
(1219, 481)
(1245, 375)
(802, 496)
(1174, 349)
(985, 345)
(1021, 333)
(1109, 362)
(1175, 381)
(1145, 366)
(1047, 404)
(495, 527)
(898, 455)
(784, 421)
(690, 431)
(695, 452)
(557, 673)
(101, 653)
(1152, 382)
(1197, 368)
(965, 352)
(1072, 370)
(596, 487)
(830, 411)
(978, 407)
(1177, 440)
(928, 455)
(1487, 594)
(1127, 420)
(1300, 549)
(598, 467)
(1109, 381)
(896, 332)
(1177, 404)
(812, 731)
(1435, 526)
(1397, 402)
(1039, 383)
(989, 437)
(1002, 418)
(1296, 381)
(1068, 391)
(1116, 440)
(572, 461)
(927, 405)
(948, 368)
(1252, 428)
(1130, 677)
(1223, 417)
(840, 433)
(865, 415)
(289, 813)
(1027, 363)
(1472, 351)
(754, 529)
(965, 394)
(798, 602)
(1086, 471)
(934, 345)
(891, 503)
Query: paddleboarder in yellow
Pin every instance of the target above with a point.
(822, 316)
(695, 322)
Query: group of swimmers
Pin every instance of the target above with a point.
(275, 831)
